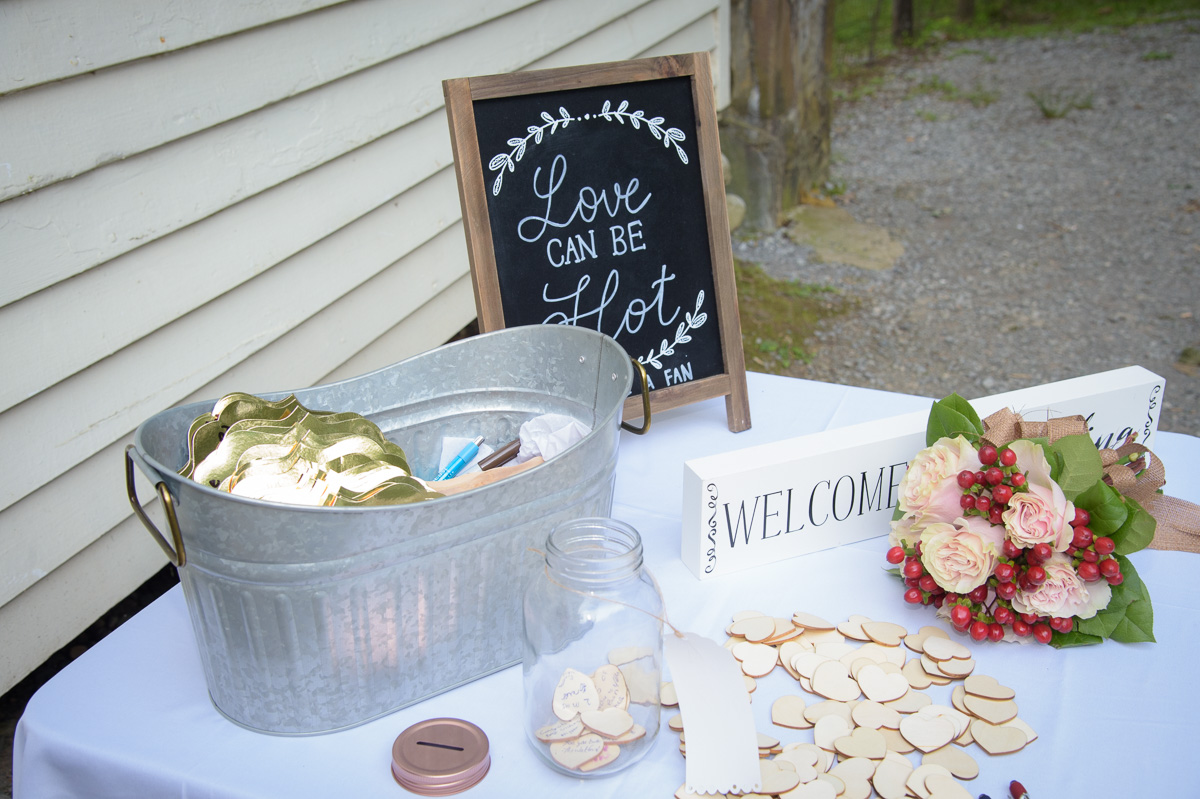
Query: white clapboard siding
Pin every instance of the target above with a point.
(312, 237)
(48, 40)
(201, 87)
(213, 338)
(74, 225)
(169, 277)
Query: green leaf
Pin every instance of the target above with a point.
(952, 417)
(1105, 506)
(1138, 624)
(897, 514)
(1074, 638)
(1079, 464)
(1137, 532)
(957, 403)
(1132, 586)
(1129, 616)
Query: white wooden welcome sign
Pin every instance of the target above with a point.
(774, 501)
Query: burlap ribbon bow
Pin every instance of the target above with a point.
(1125, 469)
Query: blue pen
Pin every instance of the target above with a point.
(461, 459)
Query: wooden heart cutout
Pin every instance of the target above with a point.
(634, 733)
(916, 641)
(862, 742)
(815, 713)
(891, 776)
(986, 686)
(997, 739)
(828, 729)
(776, 780)
(810, 622)
(916, 780)
(944, 649)
(832, 680)
(874, 716)
(927, 732)
(852, 628)
(788, 711)
(608, 754)
(942, 787)
(758, 660)
(879, 686)
(573, 754)
(993, 711)
(884, 632)
(560, 731)
(755, 628)
(574, 694)
(611, 722)
(816, 789)
(911, 702)
(954, 760)
(611, 688)
(916, 675)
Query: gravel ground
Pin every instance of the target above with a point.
(1036, 249)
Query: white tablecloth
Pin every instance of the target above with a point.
(132, 718)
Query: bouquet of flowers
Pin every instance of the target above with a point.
(1016, 532)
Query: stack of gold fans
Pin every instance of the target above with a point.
(284, 452)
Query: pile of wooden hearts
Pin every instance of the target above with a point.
(592, 719)
(873, 711)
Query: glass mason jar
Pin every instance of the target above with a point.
(593, 650)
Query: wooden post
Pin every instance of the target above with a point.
(776, 132)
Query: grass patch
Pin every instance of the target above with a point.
(863, 34)
(928, 116)
(779, 316)
(933, 85)
(1158, 55)
(1056, 104)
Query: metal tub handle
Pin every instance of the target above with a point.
(641, 431)
(177, 555)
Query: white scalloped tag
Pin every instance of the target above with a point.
(722, 742)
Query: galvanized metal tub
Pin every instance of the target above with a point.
(316, 619)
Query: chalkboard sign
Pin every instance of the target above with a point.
(593, 196)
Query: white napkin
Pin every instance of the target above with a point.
(548, 435)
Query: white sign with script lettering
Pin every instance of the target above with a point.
(765, 503)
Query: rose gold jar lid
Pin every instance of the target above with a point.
(439, 757)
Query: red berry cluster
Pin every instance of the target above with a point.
(987, 492)
(1092, 556)
(986, 612)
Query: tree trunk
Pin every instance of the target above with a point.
(902, 22)
(776, 132)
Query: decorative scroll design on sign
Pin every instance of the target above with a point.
(550, 125)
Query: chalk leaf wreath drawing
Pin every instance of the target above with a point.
(691, 322)
(550, 125)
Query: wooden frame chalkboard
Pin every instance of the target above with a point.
(593, 195)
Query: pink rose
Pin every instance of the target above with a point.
(1043, 514)
(1063, 594)
(904, 533)
(929, 489)
(961, 555)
